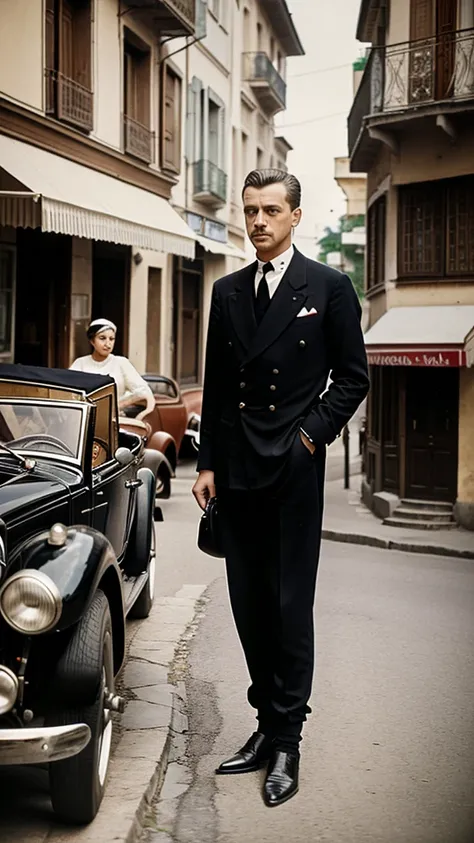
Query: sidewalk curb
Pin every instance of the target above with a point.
(154, 713)
(395, 544)
(177, 720)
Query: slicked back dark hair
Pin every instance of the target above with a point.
(262, 178)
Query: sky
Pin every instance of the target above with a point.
(315, 121)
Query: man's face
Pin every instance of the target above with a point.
(269, 219)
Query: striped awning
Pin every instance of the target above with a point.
(215, 247)
(61, 196)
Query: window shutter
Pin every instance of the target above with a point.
(171, 121)
(422, 19)
(376, 243)
(66, 39)
(143, 85)
(193, 121)
(82, 70)
(221, 139)
(50, 55)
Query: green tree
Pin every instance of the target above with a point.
(353, 255)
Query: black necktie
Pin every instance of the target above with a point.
(262, 299)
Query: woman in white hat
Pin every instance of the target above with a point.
(131, 388)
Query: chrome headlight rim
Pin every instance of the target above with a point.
(194, 423)
(49, 587)
(9, 702)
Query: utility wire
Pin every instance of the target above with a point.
(312, 120)
(320, 70)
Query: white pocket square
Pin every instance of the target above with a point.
(305, 312)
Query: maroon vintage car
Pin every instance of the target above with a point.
(171, 428)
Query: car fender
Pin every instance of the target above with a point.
(137, 556)
(154, 459)
(164, 442)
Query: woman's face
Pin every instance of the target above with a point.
(103, 342)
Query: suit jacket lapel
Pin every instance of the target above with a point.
(241, 309)
(284, 306)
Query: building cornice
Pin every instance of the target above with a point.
(281, 21)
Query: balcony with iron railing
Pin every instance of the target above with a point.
(210, 184)
(267, 84)
(409, 80)
(139, 140)
(173, 17)
(68, 100)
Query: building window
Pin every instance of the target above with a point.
(138, 137)
(460, 228)
(376, 243)
(68, 59)
(436, 229)
(421, 235)
(205, 141)
(7, 301)
(171, 121)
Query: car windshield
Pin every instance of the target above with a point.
(162, 387)
(42, 428)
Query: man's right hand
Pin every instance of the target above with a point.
(204, 488)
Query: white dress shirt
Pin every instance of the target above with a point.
(280, 264)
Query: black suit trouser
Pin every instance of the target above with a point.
(271, 539)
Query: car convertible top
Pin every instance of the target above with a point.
(61, 378)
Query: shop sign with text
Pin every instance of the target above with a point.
(433, 358)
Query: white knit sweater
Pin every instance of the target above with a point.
(129, 383)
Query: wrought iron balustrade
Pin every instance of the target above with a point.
(68, 100)
(139, 139)
(361, 107)
(403, 77)
(259, 68)
(186, 8)
(429, 70)
(210, 179)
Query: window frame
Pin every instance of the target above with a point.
(376, 238)
(442, 192)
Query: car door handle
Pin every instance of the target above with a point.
(133, 484)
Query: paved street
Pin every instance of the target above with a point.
(388, 752)
(387, 755)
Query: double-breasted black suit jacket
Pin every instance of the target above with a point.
(263, 383)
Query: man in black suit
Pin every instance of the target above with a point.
(277, 330)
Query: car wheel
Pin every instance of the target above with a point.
(77, 784)
(142, 606)
(163, 483)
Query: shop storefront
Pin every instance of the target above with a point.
(66, 238)
(420, 427)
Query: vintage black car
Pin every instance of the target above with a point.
(77, 508)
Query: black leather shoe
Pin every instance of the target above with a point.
(251, 757)
(281, 782)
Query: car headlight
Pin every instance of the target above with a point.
(194, 422)
(30, 602)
